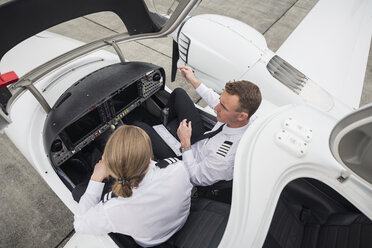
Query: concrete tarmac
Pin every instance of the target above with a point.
(30, 213)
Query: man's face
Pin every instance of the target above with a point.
(226, 109)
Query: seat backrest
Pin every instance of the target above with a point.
(309, 214)
(204, 227)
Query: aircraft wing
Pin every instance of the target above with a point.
(331, 47)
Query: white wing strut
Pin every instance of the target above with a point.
(331, 47)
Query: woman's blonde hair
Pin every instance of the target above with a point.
(127, 156)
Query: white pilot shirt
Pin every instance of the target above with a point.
(157, 209)
(212, 160)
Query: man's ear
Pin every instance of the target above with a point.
(243, 116)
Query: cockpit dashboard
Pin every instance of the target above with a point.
(96, 103)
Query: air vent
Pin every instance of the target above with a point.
(287, 74)
(312, 93)
(183, 46)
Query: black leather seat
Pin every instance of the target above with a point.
(204, 227)
(220, 191)
(312, 215)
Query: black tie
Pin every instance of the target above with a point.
(208, 135)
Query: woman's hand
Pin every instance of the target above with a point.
(100, 172)
(184, 133)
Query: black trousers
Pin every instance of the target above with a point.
(180, 107)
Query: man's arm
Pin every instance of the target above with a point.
(208, 95)
(187, 73)
(211, 169)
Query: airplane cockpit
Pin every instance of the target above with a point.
(79, 123)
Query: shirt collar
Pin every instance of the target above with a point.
(237, 130)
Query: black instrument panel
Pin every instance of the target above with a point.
(105, 112)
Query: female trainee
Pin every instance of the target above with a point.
(147, 202)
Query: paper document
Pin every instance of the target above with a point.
(171, 141)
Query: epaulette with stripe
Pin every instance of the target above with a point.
(224, 148)
(108, 196)
(165, 162)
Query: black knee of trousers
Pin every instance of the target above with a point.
(182, 107)
(179, 94)
(179, 91)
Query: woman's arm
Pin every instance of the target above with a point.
(91, 217)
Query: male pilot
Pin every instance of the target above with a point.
(211, 159)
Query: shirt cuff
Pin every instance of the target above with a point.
(94, 187)
(202, 89)
(187, 156)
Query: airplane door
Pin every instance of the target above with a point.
(351, 143)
